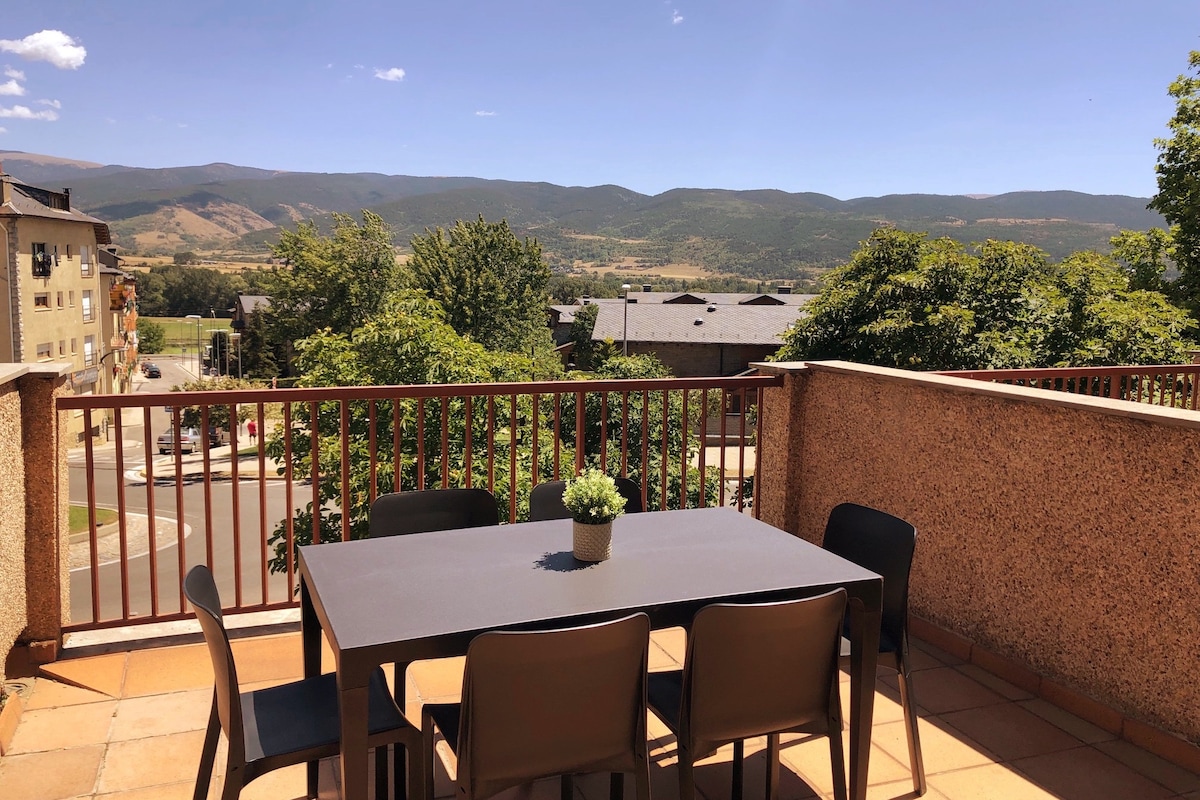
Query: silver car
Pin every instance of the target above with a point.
(189, 441)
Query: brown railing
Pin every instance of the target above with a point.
(1174, 385)
(245, 515)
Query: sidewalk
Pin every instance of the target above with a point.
(220, 464)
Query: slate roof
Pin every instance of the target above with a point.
(30, 201)
(724, 324)
(250, 303)
(706, 298)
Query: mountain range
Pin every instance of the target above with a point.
(756, 234)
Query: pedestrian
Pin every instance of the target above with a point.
(252, 427)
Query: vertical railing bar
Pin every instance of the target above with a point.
(445, 442)
(663, 456)
(209, 558)
(420, 443)
(151, 519)
(721, 458)
(645, 449)
(683, 457)
(315, 437)
(742, 450)
(93, 538)
(557, 435)
(758, 440)
(534, 466)
(344, 430)
(580, 445)
(468, 438)
(625, 434)
(397, 456)
(512, 458)
(262, 499)
(180, 524)
(703, 447)
(372, 446)
(288, 523)
(235, 424)
(122, 519)
(491, 443)
(604, 431)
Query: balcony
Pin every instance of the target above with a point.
(1050, 592)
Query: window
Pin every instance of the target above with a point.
(71, 297)
(89, 312)
(60, 299)
(41, 300)
(89, 351)
(62, 347)
(43, 351)
(74, 346)
(41, 260)
(85, 260)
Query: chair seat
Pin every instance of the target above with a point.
(303, 717)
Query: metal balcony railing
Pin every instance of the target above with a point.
(1172, 385)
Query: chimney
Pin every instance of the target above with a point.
(645, 287)
(67, 194)
(783, 290)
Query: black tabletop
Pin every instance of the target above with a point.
(427, 593)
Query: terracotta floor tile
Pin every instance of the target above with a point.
(900, 790)
(1010, 732)
(172, 791)
(923, 658)
(438, 678)
(49, 693)
(291, 782)
(809, 756)
(161, 714)
(997, 685)
(887, 706)
(946, 689)
(103, 674)
(672, 641)
(1156, 769)
(1088, 774)
(150, 762)
(50, 776)
(1077, 727)
(936, 653)
(268, 658)
(942, 750)
(988, 782)
(60, 728)
(167, 669)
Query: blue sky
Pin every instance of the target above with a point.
(844, 98)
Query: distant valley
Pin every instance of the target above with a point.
(761, 234)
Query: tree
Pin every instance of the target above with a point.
(491, 284)
(186, 257)
(218, 414)
(1145, 255)
(335, 282)
(1178, 168)
(906, 301)
(581, 335)
(151, 336)
(261, 353)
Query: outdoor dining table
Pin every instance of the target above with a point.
(406, 598)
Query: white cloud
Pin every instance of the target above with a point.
(24, 112)
(51, 103)
(485, 113)
(15, 74)
(676, 17)
(3, 130)
(393, 74)
(12, 88)
(53, 46)
(329, 65)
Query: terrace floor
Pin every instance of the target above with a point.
(130, 725)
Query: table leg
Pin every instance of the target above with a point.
(310, 641)
(864, 653)
(354, 740)
(400, 754)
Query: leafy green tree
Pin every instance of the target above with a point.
(218, 415)
(152, 338)
(581, 334)
(1178, 168)
(1145, 256)
(261, 352)
(491, 284)
(907, 301)
(186, 257)
(336, 282)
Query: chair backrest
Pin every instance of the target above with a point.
(753, 669)
(201, 592)
(545, 703)
(432, 510)
(545, 501)
(881, 543)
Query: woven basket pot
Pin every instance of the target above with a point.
(592, 542)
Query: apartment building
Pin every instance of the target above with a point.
(53, 304)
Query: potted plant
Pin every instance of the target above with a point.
(594, 502)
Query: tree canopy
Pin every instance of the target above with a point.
(907, 301)
(1178, 168)
(491, 284)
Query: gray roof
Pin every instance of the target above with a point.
(725, 324)
(30, 201)
(566, 314)
(253, 302)
(703, 298)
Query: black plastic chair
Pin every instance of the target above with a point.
(547, 703)
(432, 510)
(290, 724)
(751, 670)
(545, 501)
(884, 544)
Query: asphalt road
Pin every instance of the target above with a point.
(251, 544)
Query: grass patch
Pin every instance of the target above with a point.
(79, 518)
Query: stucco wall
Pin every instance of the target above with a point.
(1059, 531)
(12, 519)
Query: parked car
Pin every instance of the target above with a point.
(151, 370)
(189, 441)
(217, 436)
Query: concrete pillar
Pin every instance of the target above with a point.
(776, 486)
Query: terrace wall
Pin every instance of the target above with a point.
(1059, 532)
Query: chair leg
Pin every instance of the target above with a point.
(837, 755)
(400, 755)
(381, 773)
(739, 752)
(687, 776)
(616, 786)
(909, 703)
(773, 766)
(416, 772)
(208, 755)
(566, 787)
(426, 755)
(641, 778)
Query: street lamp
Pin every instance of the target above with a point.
(625, 287)
(197, 317)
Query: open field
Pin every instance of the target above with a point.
(182, 333)
(637, 272)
